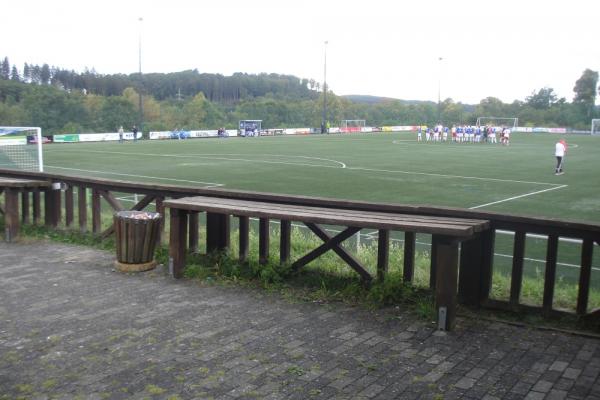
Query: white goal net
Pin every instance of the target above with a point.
(595, 127)
(498, 122)
(352, 125)
(21, 148)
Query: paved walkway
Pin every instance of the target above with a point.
(72, 328)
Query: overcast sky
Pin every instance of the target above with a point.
(505, 49)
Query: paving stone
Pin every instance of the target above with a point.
(73, 328)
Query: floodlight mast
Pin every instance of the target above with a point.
(141, 109)
(324, 123)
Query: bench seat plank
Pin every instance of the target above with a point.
(362, 219)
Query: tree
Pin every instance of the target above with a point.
(5, 69)
(45, 74)
(26, 73)
(543, 99)
(14, 74)
(585, 90)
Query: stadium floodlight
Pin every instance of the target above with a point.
(498, 121)
(595, 130)
(18, 150)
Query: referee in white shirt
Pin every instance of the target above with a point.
(559, 152)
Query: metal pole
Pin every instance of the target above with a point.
(141, 109)
(439, 90)
(324, 125)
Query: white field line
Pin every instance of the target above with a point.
(452, 176)
(517, 197)
(209, 184)
(215, 157)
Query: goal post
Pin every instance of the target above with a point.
(352, 125)
(15, 150)
(595, 130)
(498, 121)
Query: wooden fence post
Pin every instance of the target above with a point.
(82, 208)
(409, 256)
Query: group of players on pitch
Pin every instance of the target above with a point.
(464, 134)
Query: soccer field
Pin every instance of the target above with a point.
(382, 167)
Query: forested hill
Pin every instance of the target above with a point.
(63, 101)
(162, 86)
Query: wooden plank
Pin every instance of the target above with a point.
(193, 218)
(11, 214)
(285, 233)
(409, 256)
(469, 276)
(333, 243)
(383, 251)
(111, 200)
(96, 212)
(446, 282)
(177, 241)
(25, 214)
(244, 234)
(487, 265)
(36, 206)
(69, 206)
(264, 234)
(82, 208)
(328, 216)
(550, 275)
(585, 273)
(516, 281)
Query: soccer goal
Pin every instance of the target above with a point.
(352, 125)
(498, 122)
(595, 131)
(16, 152)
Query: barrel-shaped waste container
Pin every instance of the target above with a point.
(136, 234)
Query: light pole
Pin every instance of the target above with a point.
(439, 121)
(141, 110)
(324, 123)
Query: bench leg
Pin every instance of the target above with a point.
(446, 268)
(177, 242)
(11, 214)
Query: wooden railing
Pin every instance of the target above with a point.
(476, 255)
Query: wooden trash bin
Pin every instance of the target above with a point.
(136, 235)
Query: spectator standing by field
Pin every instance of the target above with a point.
(135, 131)
(121, 134)
(560, 150)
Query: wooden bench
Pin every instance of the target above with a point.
(11, 188)
(447, 234)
